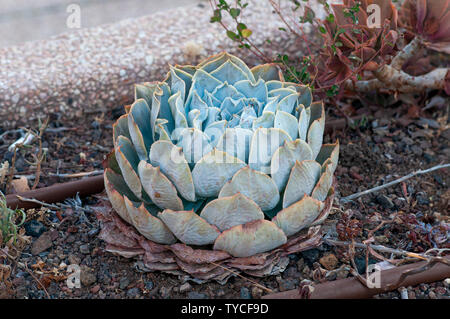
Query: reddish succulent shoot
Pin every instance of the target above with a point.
(429, 20)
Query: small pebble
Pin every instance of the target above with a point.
(245, 293)
(257, 292)
(185, 287)
(447, 282)
(84, 249)
(41, 244)
(34, 228)
(73, 259)
(87, 276)
(149, 285)
(329, 261)
(124, 282)
(385, 201)
(95, 289)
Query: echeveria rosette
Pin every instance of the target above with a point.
(222, 155)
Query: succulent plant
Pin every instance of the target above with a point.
(353, 43)
(429, 19)
(221, 155)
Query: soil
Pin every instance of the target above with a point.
(389, 143)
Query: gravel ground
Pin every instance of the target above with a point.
(392, 144)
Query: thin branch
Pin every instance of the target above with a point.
(404, 178)
(41, 154)
(59, 206)
(379, 248)
(400, 252)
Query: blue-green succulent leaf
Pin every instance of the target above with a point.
(160, 107)
(267, 72)
(281, 92)
(213, 116)
(178, 113)
(198, 104)
(251, 90)
(215, 130)
(272, 104)
(288, 103)
(230, 107)
(248, 117)
(274, 85)
(216, 62)
(229, 72)
(177, 84)
(145, 91)
(139, 127)
(266, 120)
(121, 128)
(225, 90)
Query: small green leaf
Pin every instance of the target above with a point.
(240, 27)
(330, 18)
(334, 90)
(217, 17)
(339, 31)
(333, 48)
(322, 29)
(233, 36)
(235, 12)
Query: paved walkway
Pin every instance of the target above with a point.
(24, 20)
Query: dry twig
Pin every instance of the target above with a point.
(402, 179)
